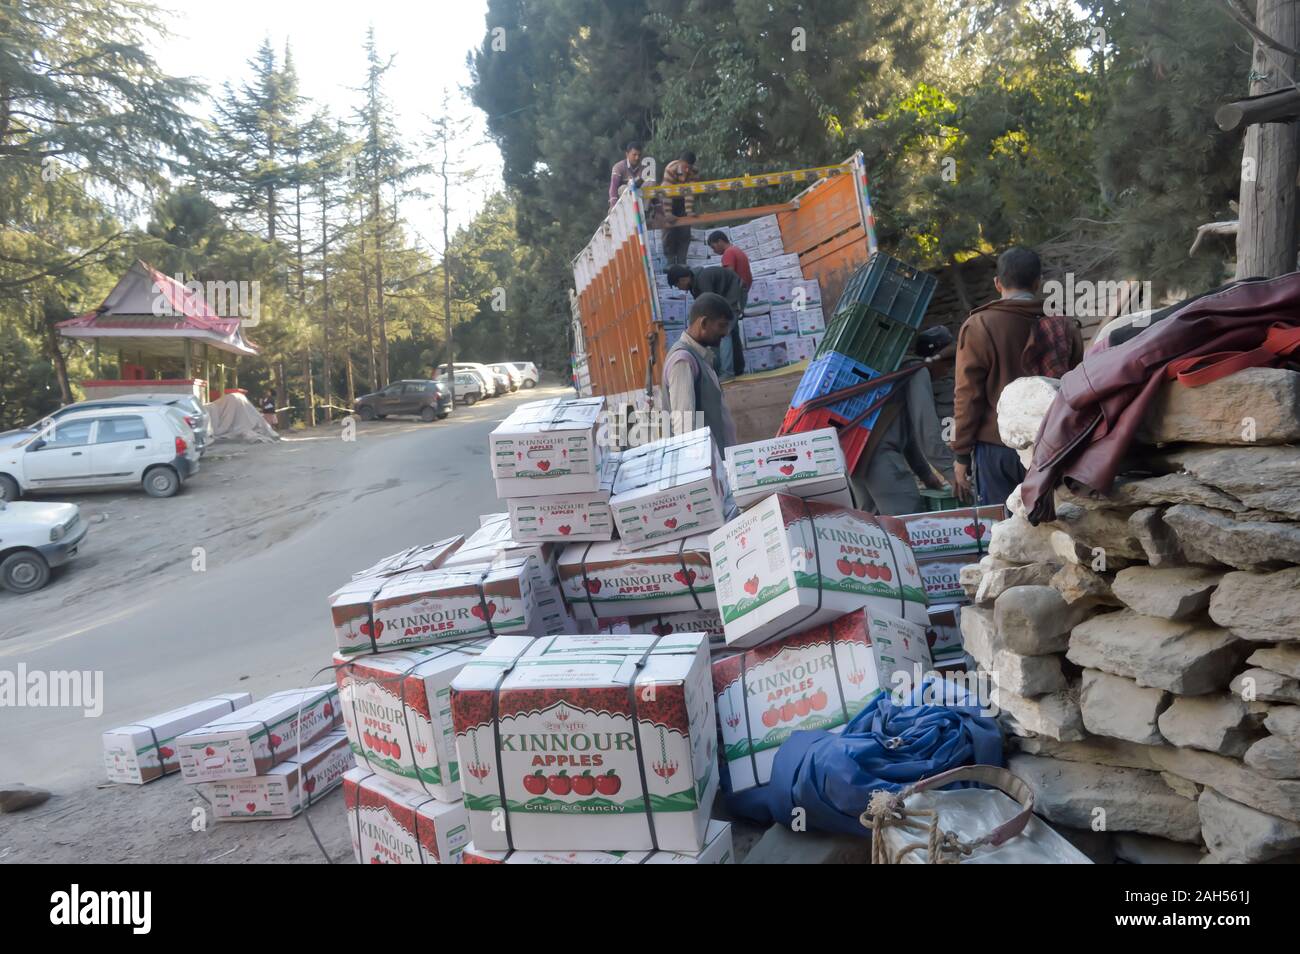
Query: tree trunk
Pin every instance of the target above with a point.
(281, 393)
(60, 362)
(376, 212)
(327, 362)
(1267, 233)
(310, 389)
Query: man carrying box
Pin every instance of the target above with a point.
(691, 388)
(726, 284)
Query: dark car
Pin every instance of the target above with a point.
(429, 399)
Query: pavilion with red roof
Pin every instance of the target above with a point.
(162, 332)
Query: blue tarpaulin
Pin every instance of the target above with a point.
(886, 746)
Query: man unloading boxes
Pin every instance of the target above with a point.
(691, 388)
(727, 285)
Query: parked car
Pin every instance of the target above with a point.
(469, 387)
(144, 445)
(430, 400)
(35, 537)
(484, 372)
(196, 415)
(514, 378)
(528, 372)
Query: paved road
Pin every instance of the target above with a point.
(261, 623)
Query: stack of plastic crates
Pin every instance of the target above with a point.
(869, 332)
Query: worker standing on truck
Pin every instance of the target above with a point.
(732, 257)
(727, 284)
(692, 392)
(626, 171)
(677, 238)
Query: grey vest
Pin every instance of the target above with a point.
(708, 394)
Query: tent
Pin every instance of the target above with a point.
(235, 419)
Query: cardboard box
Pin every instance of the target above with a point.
(778, 354)
(286, 789)
(717, 850)
(253, 740)
(565, 517)
(942, 577)
(817, 679)
(669, 489)
(788, 564)
(756, 330)
(699, 621)
(413, 559)
(495, 541)
(758, 359)
(784, 323)
(802, 348)
(143, 751)
(811, 321)
(602, 580)
(806, 291)
(398, 826)
(443, 605)
(809, 464)
(945, 532)
(943, 634)
(547, 447)
(580, 735)
(397, 714)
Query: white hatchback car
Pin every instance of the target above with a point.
(35, 537)
(528, 372)
(147, 446)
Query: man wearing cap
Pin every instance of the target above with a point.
(906, 443)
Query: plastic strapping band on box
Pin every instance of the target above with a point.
(636, 732)
(358, 825)
(419, 845)
(496, 741)
(586, 583)
(162, 763)
(893, 558)
(483, 604)
(688, 575)
(370, 615)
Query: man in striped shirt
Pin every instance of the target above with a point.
(677, 239)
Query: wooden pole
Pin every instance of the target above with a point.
(1281, 105)
(1267, 237)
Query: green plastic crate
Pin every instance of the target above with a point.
(869, 337)
(891, 288)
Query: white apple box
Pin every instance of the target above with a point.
(758, 359)
(808, 464)
(602, 580)
(494, 542)
(561, 518)
(145, 750)
(947, 532)
(286, 789)
(706, 621)
(942, 577)
(717, 850)
(396, 717)
(588, 743)
(398, 826)
(944, 634)
(425, 557)
(811, 321)
(817, 679)
(252, 740)
(547, 447)
(669, 489)
(756, 330)
(787, 564)
(444, 605)
(784, 322)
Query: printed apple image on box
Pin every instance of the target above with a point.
(817, 679)
(287, 789)
(788, 564)
(707, 621)
(942, 577)
(588, 743)
(811, 321)
(945, 532)
(943, 633)
(717, 850)
(547, 447)
(601, 580)
(563, 518)
(809, 465)
(756, 330)
(145, 750)
(451, 603)
(669, 489)
(252, 740)
(391, 825)
(397, 714)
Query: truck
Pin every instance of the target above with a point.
(618, 330)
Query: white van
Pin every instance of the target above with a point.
(147, 446)
(483, 371)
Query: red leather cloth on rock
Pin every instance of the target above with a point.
(1102, 401)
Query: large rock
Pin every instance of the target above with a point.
(1219, 723)
(1168, 592)
(1016, 540)
(1172, 489)
(1187, 658)
(997, 581)
(1274, 757)
(1259, 478)
(1251, 407)
(1284, 659)
(1022, 675)
(1265, 685)
(1079, 584)
(1259, 606)
(15, 796)
(1073, 793)
(1055, 716)
(1104, 533)
(1035, 620)
(1021, 408)
(1239, 834)
(1119, 708)
(1158, 541)
(1284, 722)
(1148, 850)
(1211, 537)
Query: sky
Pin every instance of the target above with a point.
(212, 41)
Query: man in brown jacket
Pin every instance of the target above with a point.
(1001, 341)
